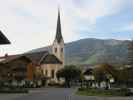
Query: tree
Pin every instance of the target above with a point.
(109, 69)
(103, 73)
(123, 76)
(99, 75)
(69, 73)
(81, 80)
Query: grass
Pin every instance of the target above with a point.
(103, 92)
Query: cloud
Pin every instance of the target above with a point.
(128, 27)
(31, 24)
(98, 8)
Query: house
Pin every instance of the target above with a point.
(15, 67)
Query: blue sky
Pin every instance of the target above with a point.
(31, 24)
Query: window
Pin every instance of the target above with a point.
(61, 49)
(55, 50)
(52, 73)
(46, 72)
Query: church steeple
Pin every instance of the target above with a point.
(58, 44)
(58, 29)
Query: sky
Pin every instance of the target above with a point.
(31, 24)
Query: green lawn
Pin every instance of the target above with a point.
(103, 92)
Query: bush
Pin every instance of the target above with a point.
(125, 92)
(13, 90)
(103, 92)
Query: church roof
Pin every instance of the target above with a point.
(50, 59)
(58, 29)
(37, 58)
(3, 39)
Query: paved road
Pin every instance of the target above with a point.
(48, 94)
(10, 96)
(55, 94)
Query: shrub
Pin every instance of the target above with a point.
(103, 92)
(125, 92)
(14, 90)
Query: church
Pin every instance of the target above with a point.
(34, 66)
(58, 50)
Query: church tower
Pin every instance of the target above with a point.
(58, 44)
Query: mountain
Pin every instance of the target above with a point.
(93, 51)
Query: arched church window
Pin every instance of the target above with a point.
(46, 72)
(61, 49)
(55, 50)
(52, 73)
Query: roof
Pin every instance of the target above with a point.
(58, 29)
(50, 59)
(8, 57)
(36, 56)
(88, 72)
(42, 57)
(3, 39)
(13, 58)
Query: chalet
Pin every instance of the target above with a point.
(15, 67)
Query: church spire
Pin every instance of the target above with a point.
(58, 29)
(58, 44)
